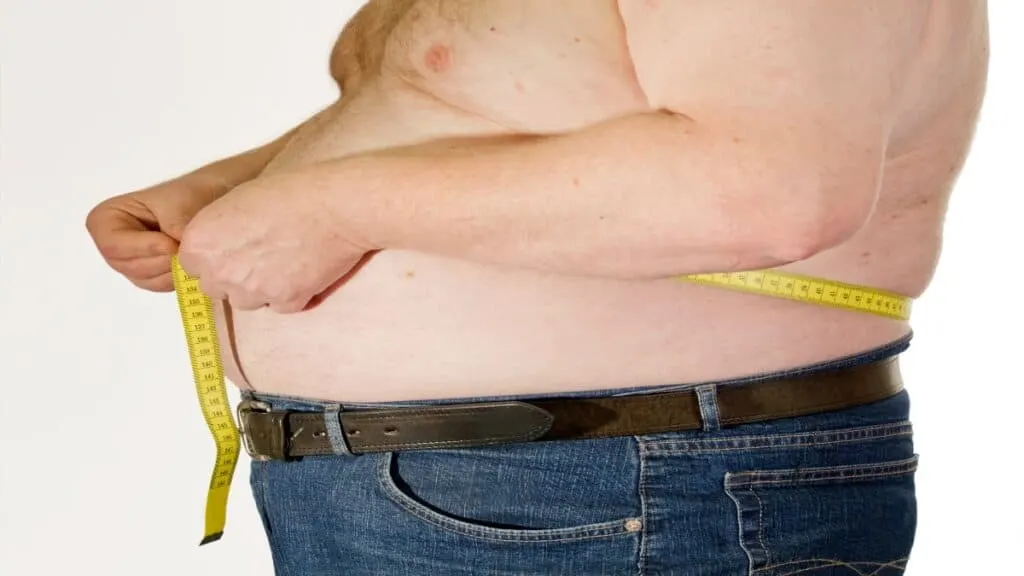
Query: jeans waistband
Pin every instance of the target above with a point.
(896, 347)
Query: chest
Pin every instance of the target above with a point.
(492, 57)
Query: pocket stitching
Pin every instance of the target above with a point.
(824, 562)
(801, 476)
(794, 440)
(741, 485)
(418, 510)
(760, 527)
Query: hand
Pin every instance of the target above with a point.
(269, 243)
(137, 232)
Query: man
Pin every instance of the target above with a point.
(453, 297)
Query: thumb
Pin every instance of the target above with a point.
(125, 232)
(175, 223)
(175, 227)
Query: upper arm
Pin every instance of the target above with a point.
(843, 61)
(811, 83)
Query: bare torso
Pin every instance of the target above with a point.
(411, 326)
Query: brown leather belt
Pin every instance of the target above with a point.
(281, 435)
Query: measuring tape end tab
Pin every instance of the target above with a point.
(211, 538)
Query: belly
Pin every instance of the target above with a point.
(411, 326)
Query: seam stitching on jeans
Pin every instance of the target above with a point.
(599, 530)
(810, 433)
(760, 527)
(790, 482)
(796, 476)
(899, 563)
(739, 523)
(642, 489)
(878, 432)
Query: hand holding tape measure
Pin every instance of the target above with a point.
(208, 371)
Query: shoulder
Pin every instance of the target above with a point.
(782, 55)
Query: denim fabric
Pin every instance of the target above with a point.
(830, 494)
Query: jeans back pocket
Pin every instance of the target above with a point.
(859, 519)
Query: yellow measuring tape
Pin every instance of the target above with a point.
(812, 290)
(208, 371)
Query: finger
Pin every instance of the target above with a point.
(124, 244)
(242, 301)
(143, 268)
(289, 306)
(117, 245)
(120, 235)
(331, 288)
(161, 283)
(175, 228)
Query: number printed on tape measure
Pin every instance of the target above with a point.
(808, 289)
(208, 372)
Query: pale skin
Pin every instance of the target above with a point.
(499, 200)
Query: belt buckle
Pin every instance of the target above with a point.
(245, 408)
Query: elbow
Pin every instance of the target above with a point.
(826, 218)
(823, 198)
(806, 239)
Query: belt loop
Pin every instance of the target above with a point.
(332, 421)
(707, 398)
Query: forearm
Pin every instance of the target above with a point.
(652, 195)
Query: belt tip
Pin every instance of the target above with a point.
(211, 538)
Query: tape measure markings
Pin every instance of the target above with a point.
(208, 372)
(809, 289)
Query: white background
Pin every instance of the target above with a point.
(104, 456)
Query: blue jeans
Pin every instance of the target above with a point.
(831, 494)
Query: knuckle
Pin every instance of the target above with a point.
(94, 219)
(120, 266)
(251, 284)
(136, 267)
(243, 304)
(90, 221)
(290, 305)
(96, 211)
(278, 293)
